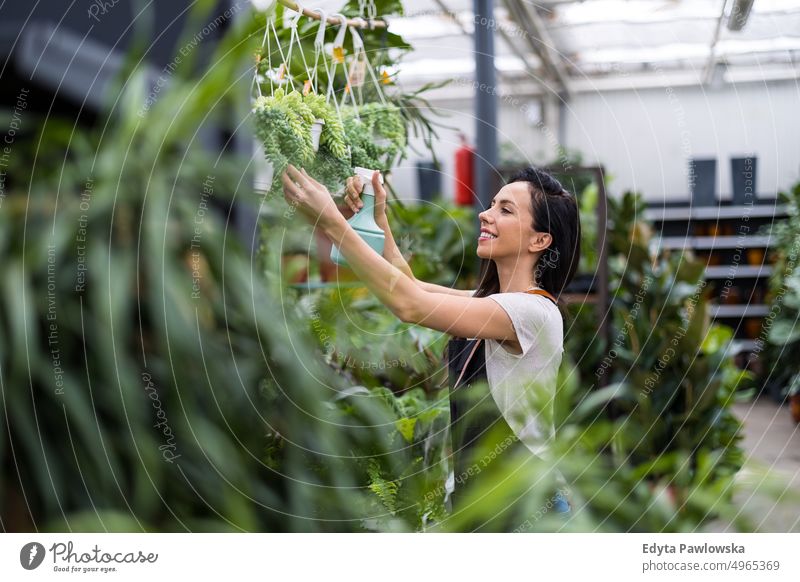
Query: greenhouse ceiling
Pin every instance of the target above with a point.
(569, 46)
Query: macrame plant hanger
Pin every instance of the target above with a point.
(283, 72)
(319, 50)
(294, 37)
(368, 12)
(337, 58)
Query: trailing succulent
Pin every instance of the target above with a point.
(332, 136)
(283, 125)
(371, 136)
(376, 134)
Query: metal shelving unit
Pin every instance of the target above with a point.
(687, 213)
(735, 236)
(738, 272)
(713, 242)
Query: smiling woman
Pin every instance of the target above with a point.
(508, 332)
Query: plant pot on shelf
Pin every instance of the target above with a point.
(295, 267)
(791, 393)
(743, 176)
(794, 407)
(752, 326)
(732, 297)
(703, 182)
(429, 180)
(755, 257)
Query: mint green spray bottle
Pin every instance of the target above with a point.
(363, 222)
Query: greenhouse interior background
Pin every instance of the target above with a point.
(638, 86)
(153, 272)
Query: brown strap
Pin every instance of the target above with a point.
(469, 359)
(543, 293)
(477, 343)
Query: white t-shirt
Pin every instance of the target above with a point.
(524, 385)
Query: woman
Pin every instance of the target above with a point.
(529, 246)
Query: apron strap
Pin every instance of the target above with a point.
(466, 364)
(543, 293)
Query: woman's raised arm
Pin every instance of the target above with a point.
(391, 251)
(460, 316)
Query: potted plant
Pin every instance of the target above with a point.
(303, 130)
(376, 134)
(283, 125)
(668, 367)
(783, 335)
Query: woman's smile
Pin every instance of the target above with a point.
(508, 217)
(486, 235)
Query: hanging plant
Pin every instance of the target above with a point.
(332, 164)
(376, 134)
(283, 125)
(332, 131)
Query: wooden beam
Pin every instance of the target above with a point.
(354, 22)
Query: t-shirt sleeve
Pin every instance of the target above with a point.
(529, 316)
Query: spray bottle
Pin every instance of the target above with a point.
(363, 222)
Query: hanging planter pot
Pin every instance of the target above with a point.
(380, 141)
(266, 173)
(377, 134)
(316, 132)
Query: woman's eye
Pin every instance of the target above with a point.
(506, 211)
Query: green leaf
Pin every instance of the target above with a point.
(717, 337)
(599, 398)
(783, 332)
(405, 426)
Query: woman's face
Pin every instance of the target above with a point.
(506, 226)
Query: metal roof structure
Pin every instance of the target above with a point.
(566, 46)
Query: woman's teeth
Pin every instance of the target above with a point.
(486, 235)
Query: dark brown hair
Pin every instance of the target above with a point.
(555, 211)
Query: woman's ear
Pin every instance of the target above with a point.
(539, 241)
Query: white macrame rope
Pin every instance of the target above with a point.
(294, 37)
(283, 57)
(319, 47)
(339, 41)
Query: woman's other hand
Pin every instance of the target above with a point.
(352, 197)
(310, 197)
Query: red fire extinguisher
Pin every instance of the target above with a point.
(465, 164)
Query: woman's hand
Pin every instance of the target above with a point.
(352, 196)
(310, 197)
